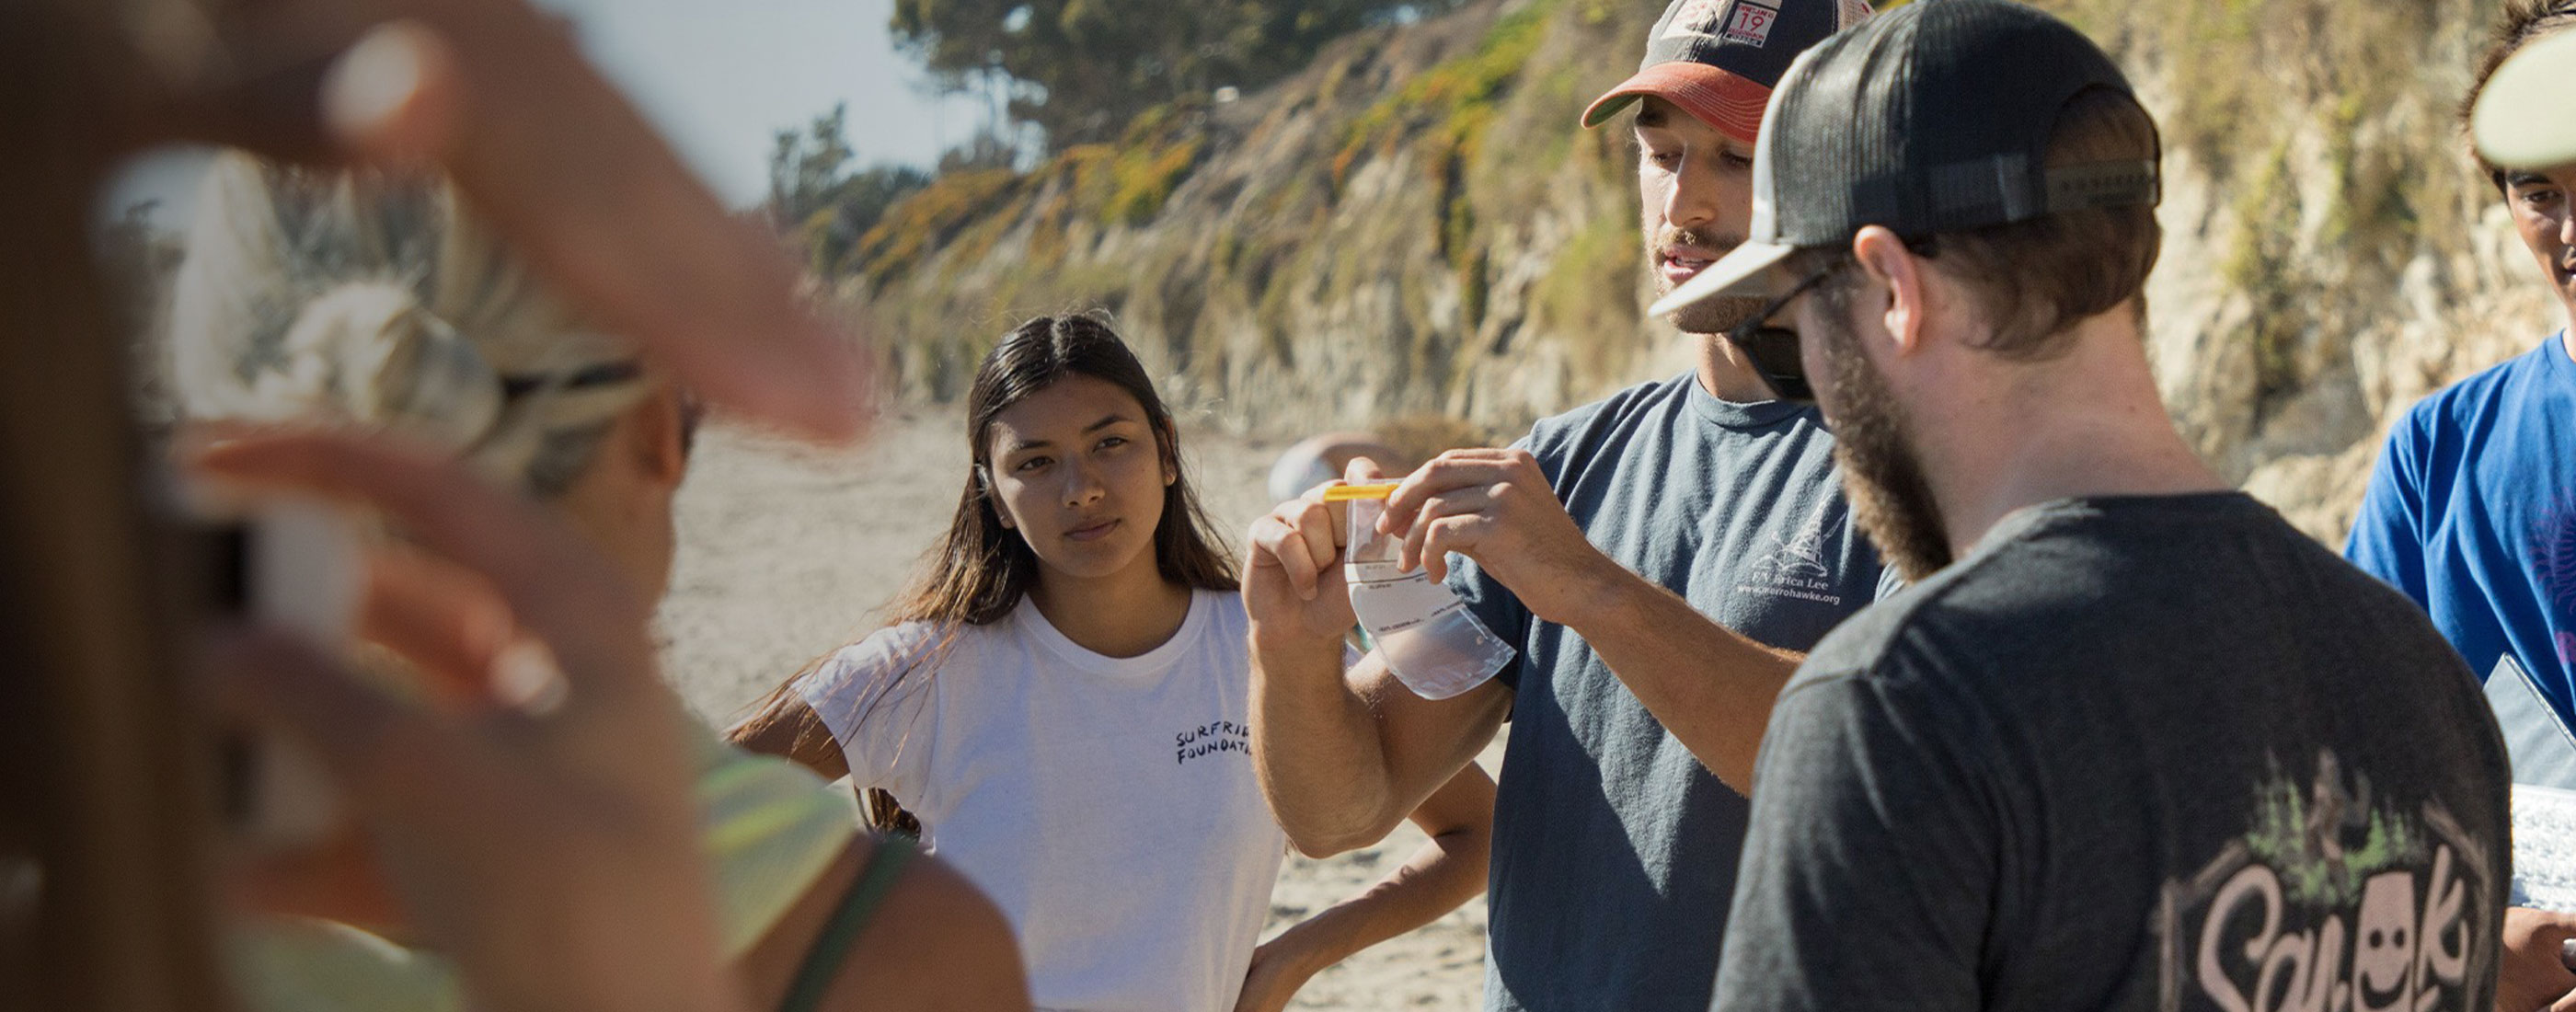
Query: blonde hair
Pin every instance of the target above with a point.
(368, 301)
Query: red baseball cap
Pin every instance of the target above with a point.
(1719, 59)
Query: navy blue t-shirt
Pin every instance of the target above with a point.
(1614, 849)
(2472, 512)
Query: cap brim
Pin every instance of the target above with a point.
(2526, 117)
(1720, 99)
(1739, 273)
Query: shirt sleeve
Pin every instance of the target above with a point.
(2388, 533)
(1867, 875)
(874, 697)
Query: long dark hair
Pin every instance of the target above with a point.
(980, 569)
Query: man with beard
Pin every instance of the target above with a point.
(2472, 510)
(1657, 560)
(2130, 741)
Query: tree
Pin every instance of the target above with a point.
(1079, 70)
(816, 200)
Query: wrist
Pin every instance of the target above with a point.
(1292, 642)
(1299, 950)
(1594, 591)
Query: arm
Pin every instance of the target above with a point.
(1341, 755)
(782, 725)
(1447, 871)
(1710, 686)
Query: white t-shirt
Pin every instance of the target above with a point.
(1107, 805)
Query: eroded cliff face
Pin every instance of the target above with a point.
(1416, 225)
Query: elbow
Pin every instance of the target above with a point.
(1323, 841)
(1320, 847)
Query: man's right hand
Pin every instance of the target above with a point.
(1293, 588)
(2533, 973)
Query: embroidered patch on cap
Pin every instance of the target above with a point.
(1751, 24)
(1699, 17)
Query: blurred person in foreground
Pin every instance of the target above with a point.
(2472, 508)
(1658, 559)
(107, 881)
(355, 301)
(2130, 740)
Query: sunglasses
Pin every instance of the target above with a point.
(1774, 350)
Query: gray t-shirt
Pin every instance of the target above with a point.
(2133, 753)
(1614, 849)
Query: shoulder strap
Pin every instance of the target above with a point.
(858, 907)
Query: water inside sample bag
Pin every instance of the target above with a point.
(1435, 646)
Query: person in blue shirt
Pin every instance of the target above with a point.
(2472, 509)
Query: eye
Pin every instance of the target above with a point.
(1031, 464)
(2538, 198)
(1735, 160)
(1112, 442)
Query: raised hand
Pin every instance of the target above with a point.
(535, 800)
(1495, 506)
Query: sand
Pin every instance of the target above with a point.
(787, 552)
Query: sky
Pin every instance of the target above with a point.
(719, 77)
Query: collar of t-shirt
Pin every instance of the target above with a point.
(1738, 414)
(1152, 663)
(2196, 506)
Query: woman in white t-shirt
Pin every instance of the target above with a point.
(1064, 701)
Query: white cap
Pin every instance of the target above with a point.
(2525, 117)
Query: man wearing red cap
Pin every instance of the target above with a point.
(1658, 561)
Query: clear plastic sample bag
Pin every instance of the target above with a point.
(1435, 646)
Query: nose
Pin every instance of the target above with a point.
(2566, 225)
(1082, 484)
(1694, 197)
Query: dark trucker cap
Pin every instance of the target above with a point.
(1934, 118)
(1718, 59)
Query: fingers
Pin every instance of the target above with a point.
(1461, 534)
(448, 622)
(397, 97)
(1452, 470)
(1456, 502)
(494, 93)
(277, 681)
(1276, 543)
(1363, 470)
(554, 587)
(571, 173)
(1319, 526)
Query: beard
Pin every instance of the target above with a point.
(1882, 475)
(1710, 316)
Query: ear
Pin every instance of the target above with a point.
(1895, 270)
(984, 491)
(1169, 453)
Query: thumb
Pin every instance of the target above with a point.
(1363, 469)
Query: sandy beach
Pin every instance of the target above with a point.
(787, 551)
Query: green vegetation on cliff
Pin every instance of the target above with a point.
(1416, 224)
